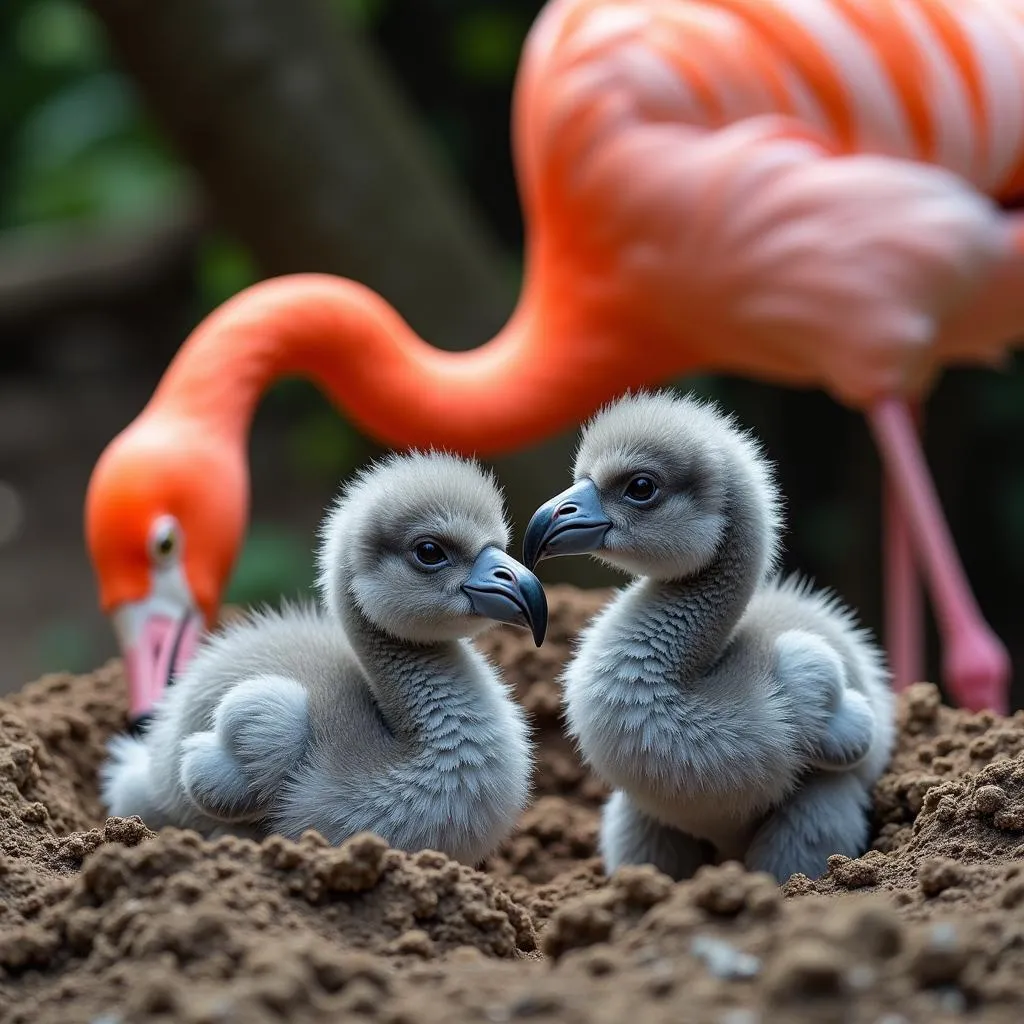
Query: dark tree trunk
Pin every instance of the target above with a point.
(311, 158)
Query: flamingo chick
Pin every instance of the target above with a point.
(371, 712)
(737, 715)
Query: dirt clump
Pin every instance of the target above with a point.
(210, 912)
(103, 921)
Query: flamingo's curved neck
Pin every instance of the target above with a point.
(542, 372)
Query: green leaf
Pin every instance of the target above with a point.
(65, 646)
(225, 269)
(121, 180)
(58, 34)
(95, 108)
(361, 12)
(322, 446)
(274, 561)
(486, 44)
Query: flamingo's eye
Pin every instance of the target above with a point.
(164, 540)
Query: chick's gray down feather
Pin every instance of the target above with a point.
(371, 712)
(737, 715)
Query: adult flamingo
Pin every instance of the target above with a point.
(796, 190)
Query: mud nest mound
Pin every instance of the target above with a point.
(103, 921)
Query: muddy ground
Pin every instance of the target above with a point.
(103, 922)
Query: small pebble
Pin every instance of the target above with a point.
(940, 961)
(952, 1000)
(739, 1016)
(861, 977)
(723, 960)
(943, 936)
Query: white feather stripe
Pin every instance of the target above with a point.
(881, 124)
(721, 39)
(957, 134)
(997, 38)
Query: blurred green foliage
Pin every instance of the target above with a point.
(76, 142)
(275, 561)
(485, 44)
(360, 12)
(225, 268)
(65, 646)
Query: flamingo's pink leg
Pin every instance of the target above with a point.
(904, 610)
(976, 665)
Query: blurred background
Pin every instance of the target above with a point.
(157, 158)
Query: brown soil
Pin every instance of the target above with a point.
(109, 924)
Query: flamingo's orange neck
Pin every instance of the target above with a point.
(546, 369)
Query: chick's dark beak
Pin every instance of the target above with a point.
(571, 523)
(502, 589)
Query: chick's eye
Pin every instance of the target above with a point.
(429, 552)
(641, 488)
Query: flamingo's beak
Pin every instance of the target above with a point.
(158, 636)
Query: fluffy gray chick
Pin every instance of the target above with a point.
(372, 712)
(736, 715)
